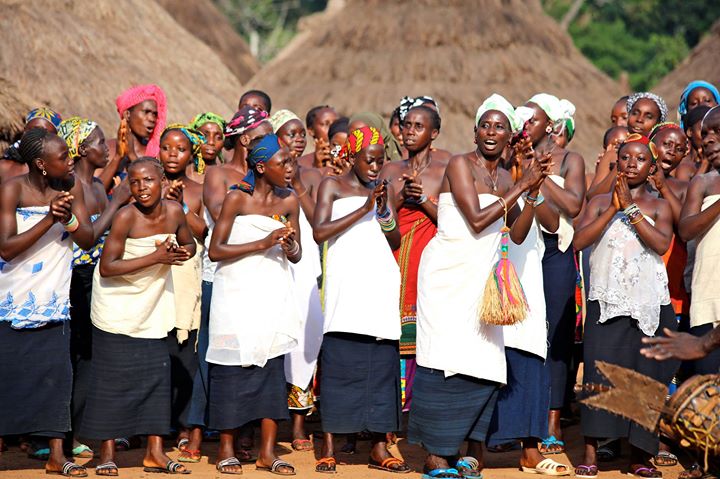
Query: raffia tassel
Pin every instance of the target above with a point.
(504, 301)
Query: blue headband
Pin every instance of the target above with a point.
(683, 107)
(263, 151)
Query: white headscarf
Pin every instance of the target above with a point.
(499, 103)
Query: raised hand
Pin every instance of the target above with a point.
(622, 190)
(61, 207)
(175, 191)
(413, 188)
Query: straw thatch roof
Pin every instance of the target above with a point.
(206, 22)
(367, 54)
(77, 56)
(703, 63)
(14, 105)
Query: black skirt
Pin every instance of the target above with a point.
(129, 388)
(239, 395)
(183, 366)
(448, 410)
(360, 380)
(618, 341)
(35, 380)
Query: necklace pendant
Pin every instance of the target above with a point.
(494, 189)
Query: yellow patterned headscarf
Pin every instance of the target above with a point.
(75, 131)
(196, 140)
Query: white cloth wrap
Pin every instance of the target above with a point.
(565, 229)
(529, 335)
(253, 313)
(705, 304)
(300, 362)
(362, 278)
(452, 275)
(139, 304)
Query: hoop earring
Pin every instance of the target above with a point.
(44, 172)
(548, 129)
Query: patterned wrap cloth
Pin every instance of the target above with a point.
(75, 131)
(246, 118)
(262, 152)
(645, 95)
(46, 114)
(138, 94)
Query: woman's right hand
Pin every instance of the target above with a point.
(168, 252)
(379, 192)
(534, 175)
(61, 207)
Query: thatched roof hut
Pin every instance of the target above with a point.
(367, 54)
(77, 57)
(206, 22)
(703, 63)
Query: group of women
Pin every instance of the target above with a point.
(210, 276)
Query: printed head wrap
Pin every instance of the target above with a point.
(263, 151)
(280, 117)
(361, 138)
(392, 147)
(246, 118)
(74, 131)
(208, 117)
(638, 138)
(46, 114)
(683, 106)
(408, 103)
(196, 140)
(499, 103)
(138, 94)
(668, 125)
(632, 99)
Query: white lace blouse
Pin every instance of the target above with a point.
(628, 278)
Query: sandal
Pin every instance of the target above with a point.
(665, 459)
(645, 472)
(41, 454)
(190, 455)
(551, 445)
(83, 451)
(302, 445)
(547, 467)
(171, 467)
(445, 473)
(275, 468)
(229, 462)
(390, 464)
(586, 472)
(692, 472)
(106, 469)
(469, 467)
(67, 470)
(182, 444)
(326, 465)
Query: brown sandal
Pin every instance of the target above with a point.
(326, 465)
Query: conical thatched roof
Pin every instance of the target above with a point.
(206, 22)
(14, 105)
(367, 54)
(703, 63)
(76, 56)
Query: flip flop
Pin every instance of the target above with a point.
(41, 454)
(67, 469)
(326, 465)
(586, 472)
(665, 459)
(549, 442)
(302, 445)
(108, 466)
(182, 444)
(171, 467)
(646, 470)
(276, 465)
(230, 461)
(83, 451)
(445, 473)
(468, 467)
(387, 465)
(190, 455)
(547, 467)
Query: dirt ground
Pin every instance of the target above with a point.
(14, 464)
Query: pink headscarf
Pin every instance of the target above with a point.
(138, 94)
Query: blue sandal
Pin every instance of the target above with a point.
(468, 468)
(549, 442)
(449, 473)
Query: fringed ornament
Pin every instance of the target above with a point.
(504, 302)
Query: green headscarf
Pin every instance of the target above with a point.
(392, 147)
